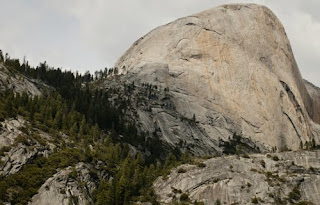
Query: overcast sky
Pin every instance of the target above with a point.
(92, 34)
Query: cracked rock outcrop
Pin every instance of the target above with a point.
(17, 148)
(67, 186)
(232, 69)
(251, 179)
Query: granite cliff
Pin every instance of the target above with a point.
(230, 69)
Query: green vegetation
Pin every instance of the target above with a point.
(218, 202)
(4, 149)
(176, 191)
(238, 145)
(132, 179)
(87, 125)
(104, 108)
(304, 203)
(275, 158)
(91, 125)
(20, 187)
(201, 165)
(184, 197)
(312, 169)
(181, 170)
(198, 203)
(245, 156)
(295, 194)
(255, 200)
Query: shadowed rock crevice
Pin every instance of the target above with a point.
(314, 110)
(291, 96)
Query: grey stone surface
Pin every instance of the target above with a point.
(18, 153)
(10, 130)
(19, 83)
(239, 180)
(63, 189)
(314, 92)
(233, 68)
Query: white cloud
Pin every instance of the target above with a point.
(301, 20)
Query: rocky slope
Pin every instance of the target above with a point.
(18, 148)
(20, 145)
(68, 186)
(231, 70)
(19, 83)
(249, 179)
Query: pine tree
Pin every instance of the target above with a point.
(1, 56)
(57, 122)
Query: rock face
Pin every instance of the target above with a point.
(18, 83)
(68, 186)
(18, 149)
(230, 69)
(315, 97)
(20, 155)
(10, 130)
(266, 179)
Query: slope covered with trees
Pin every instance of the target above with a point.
(87, 125)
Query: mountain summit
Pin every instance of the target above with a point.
(231, 68)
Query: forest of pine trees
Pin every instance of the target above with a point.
(87, 117)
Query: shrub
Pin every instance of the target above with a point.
(254, 200)
(74, 199)
(73, 174)
(245, 156)
(4, 149)
(174, 190)
(295, 194)
(184, 197)
(198, 203)
(201, 165)
(218, 202)
(181, 170)
(23, 139)
(62, 191)
(275, 158)
(304, 203)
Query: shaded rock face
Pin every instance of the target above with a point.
(268, 179)
(232, 69)
(19, 83)
(315, 98)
